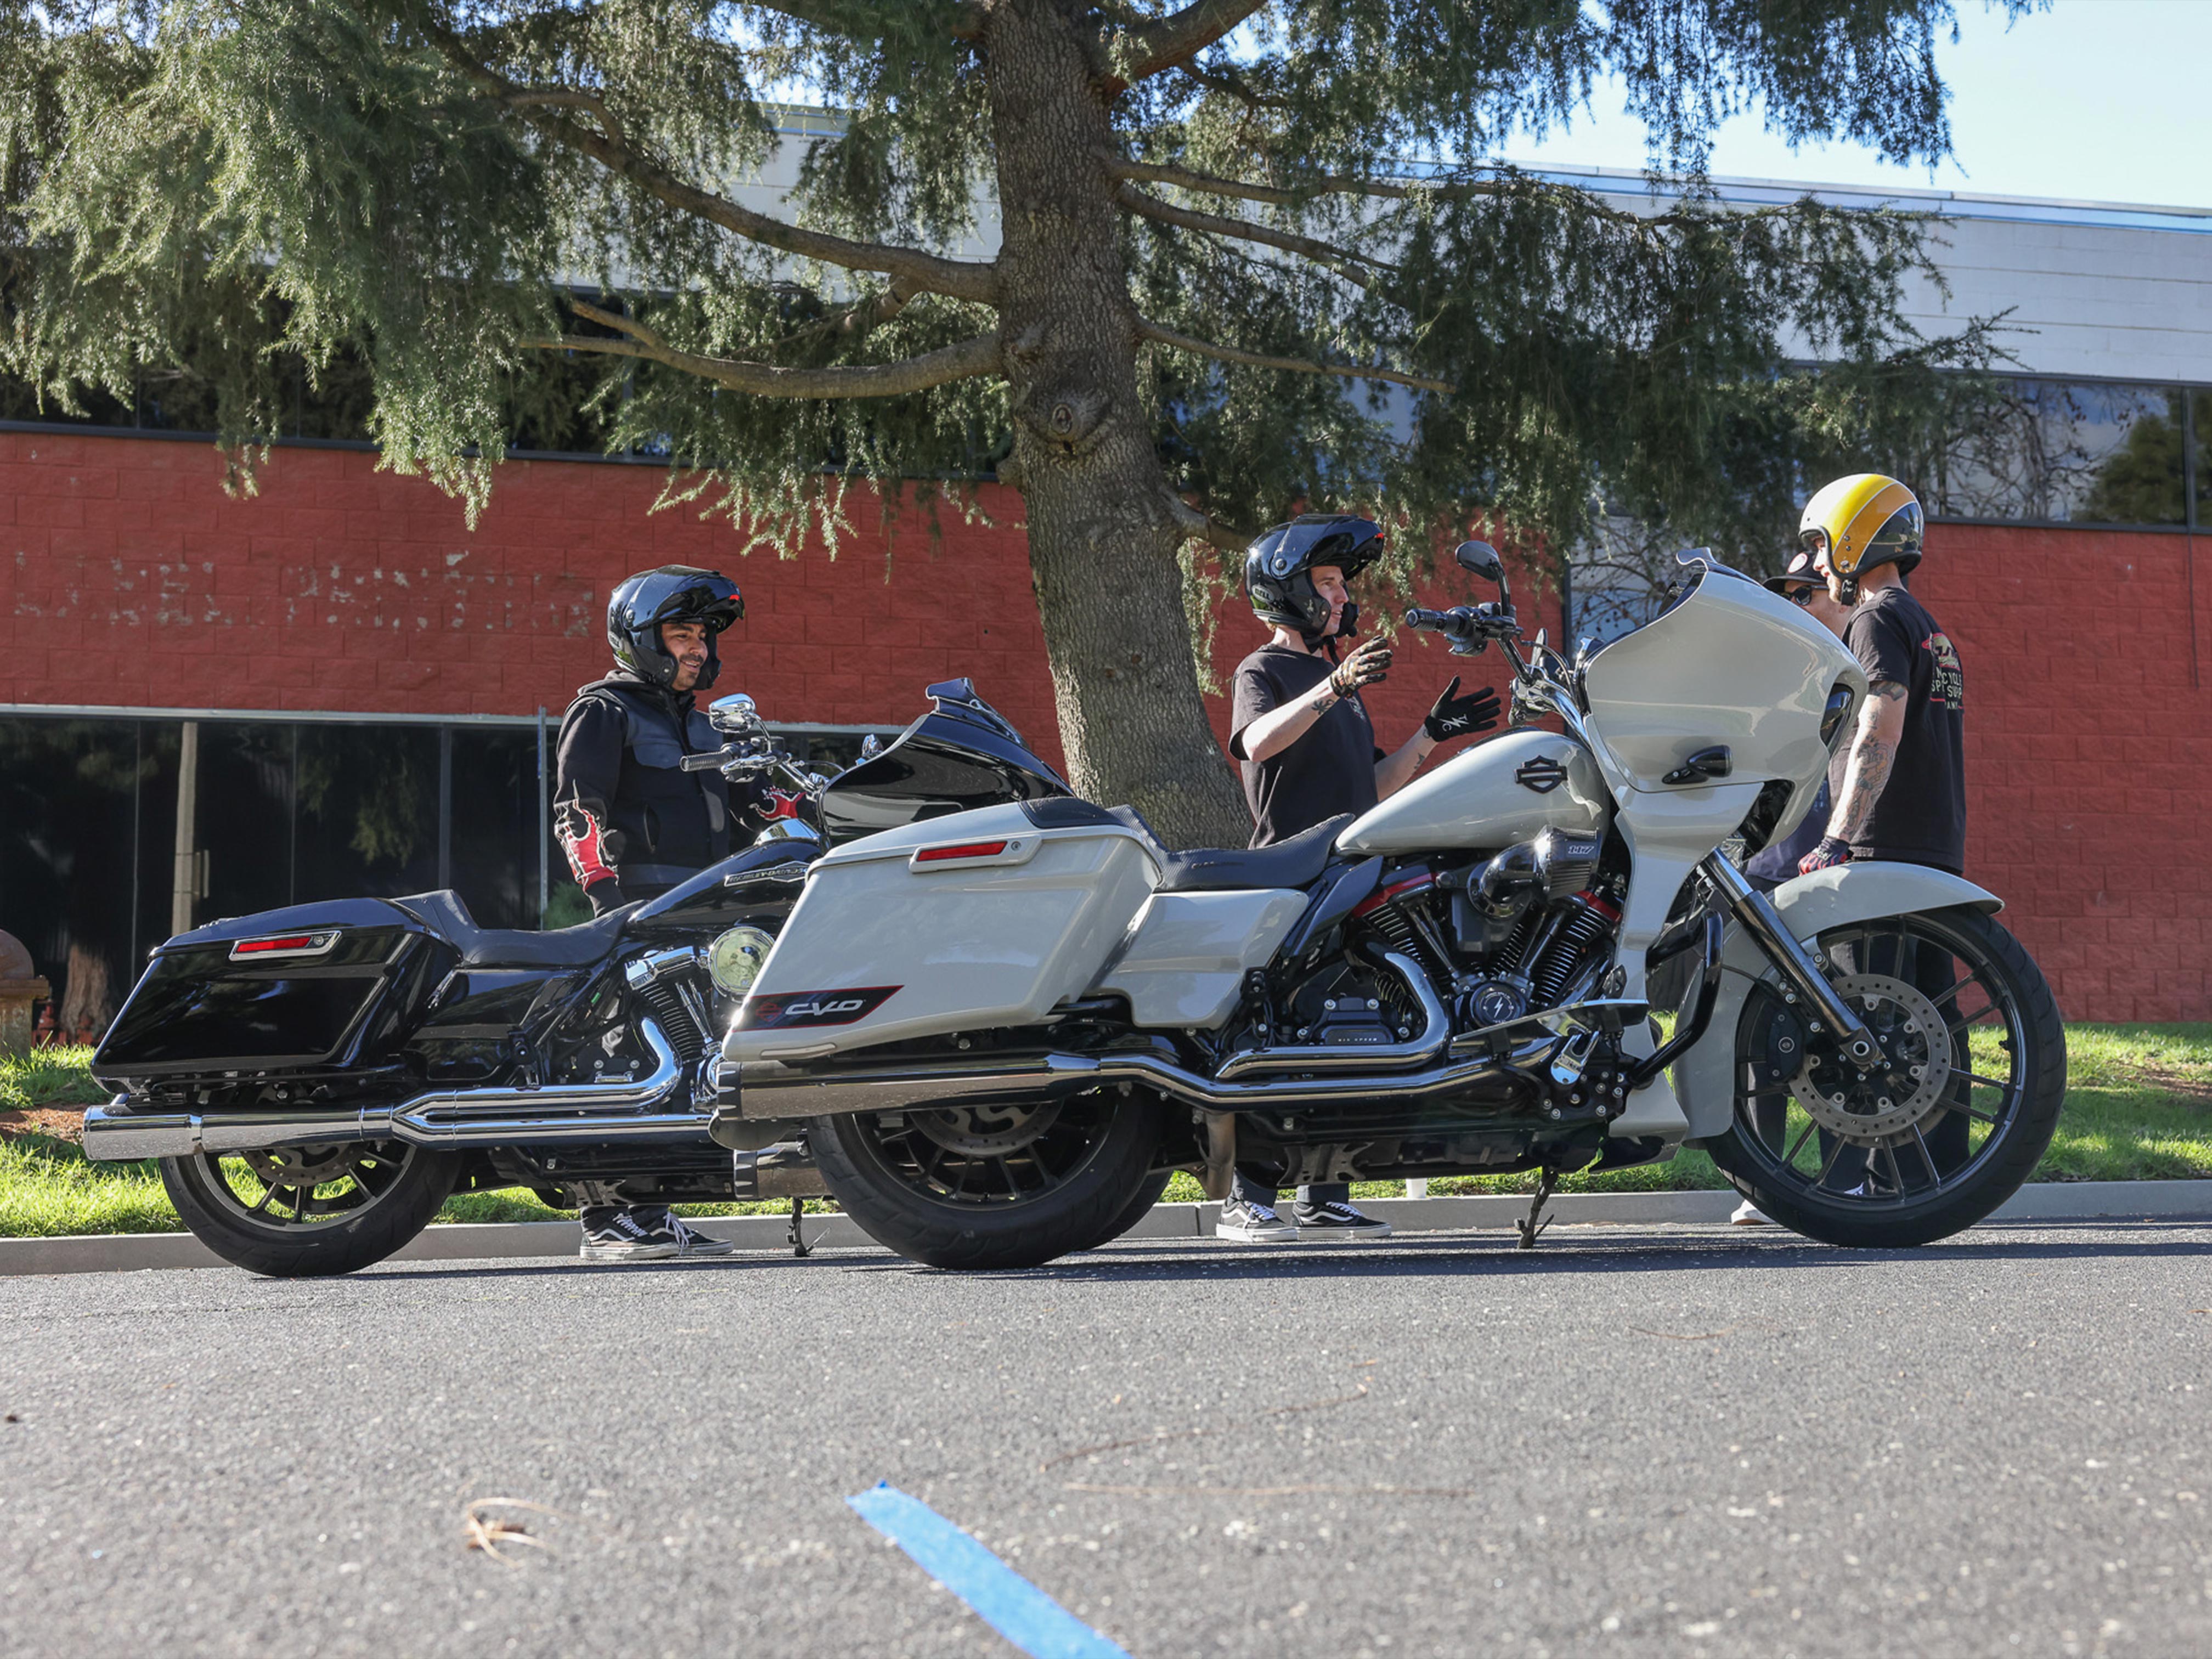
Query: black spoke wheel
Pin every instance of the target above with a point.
(1938, 1136)
(1006, 1185)
(308, 1211)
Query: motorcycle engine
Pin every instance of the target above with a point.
(1498, 937)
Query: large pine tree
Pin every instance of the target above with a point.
(1248, 256)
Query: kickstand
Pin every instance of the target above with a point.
(799, 1247)
(1548, 1182)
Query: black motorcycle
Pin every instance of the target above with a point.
(317, 1081)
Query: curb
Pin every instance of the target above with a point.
(2056, 1200)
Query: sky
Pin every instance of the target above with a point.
(2106, 101)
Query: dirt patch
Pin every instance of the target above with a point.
(2191, 1085)
(55, 1122)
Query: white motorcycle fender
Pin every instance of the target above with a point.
(1704, 1081)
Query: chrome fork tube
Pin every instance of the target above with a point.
(1799, 967)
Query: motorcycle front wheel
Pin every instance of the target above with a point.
(310, 1212)
(1939, 1138)
(990, 1187)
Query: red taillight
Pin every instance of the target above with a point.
(969, 850)
(286, 945)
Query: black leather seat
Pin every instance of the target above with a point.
(1292, 863)
(444, 914)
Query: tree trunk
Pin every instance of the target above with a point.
(1102, 535)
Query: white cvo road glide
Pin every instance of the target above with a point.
(1001, 1030)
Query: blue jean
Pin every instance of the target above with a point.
(1249, 1191)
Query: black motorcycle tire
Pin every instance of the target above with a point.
(1136, 1210)
(1996, 1176)
(288, 1251)
(1073, 1215)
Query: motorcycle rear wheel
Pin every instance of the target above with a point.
(1135, 1210)
(1932, 1154)
(993, 1187)
(310, 1212)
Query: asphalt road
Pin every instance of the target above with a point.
(1632, 1441)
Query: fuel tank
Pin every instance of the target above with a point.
(1508, 789)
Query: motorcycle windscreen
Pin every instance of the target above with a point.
(940, 765)
(968, 923)
(1728, 664)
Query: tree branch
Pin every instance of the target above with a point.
(1219, 81)
(1342, 261)
(954, 363)
(1199, 527)
(963, 18)
(962, 279)
(1151, 330)
(1151, 48)
(570, 98)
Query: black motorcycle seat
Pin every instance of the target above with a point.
(1297, 862)
(444, 914)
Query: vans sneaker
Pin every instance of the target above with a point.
(643, 1232)
(1337, 1220)
(1253, 1224)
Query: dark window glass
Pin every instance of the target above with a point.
(494, 827)
(2064, 451)
(242, 817)
(367, 811)
(2200, 420)
(67, 792)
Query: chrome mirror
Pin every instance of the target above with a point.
(734, 716)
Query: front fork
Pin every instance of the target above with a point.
(1799, 967)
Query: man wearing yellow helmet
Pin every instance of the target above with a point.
(1903, 791)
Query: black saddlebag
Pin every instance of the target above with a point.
(315, 989)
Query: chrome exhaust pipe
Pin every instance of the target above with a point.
(1435, 1032)
(782, 1093)
(444, 1117)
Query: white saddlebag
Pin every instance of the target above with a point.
(959, 923)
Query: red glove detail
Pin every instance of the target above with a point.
(1830, 852)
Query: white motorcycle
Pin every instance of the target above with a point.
(999, 1030)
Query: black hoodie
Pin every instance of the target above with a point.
(624, 810)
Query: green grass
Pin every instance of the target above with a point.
(2138, 1107)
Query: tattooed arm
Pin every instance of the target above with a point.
(1874, 747)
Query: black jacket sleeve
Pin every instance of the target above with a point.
(588, 773)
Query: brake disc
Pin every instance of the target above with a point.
(300, 1166)
(986, 1131)
(1869, 1108)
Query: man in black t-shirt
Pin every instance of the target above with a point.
(1307, 751)
(1900, 788)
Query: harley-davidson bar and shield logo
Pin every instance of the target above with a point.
(813, 1007)
(1543, 774)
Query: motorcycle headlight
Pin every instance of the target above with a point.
(734, 959)
(1837, 713)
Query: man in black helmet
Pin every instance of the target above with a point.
(634, 823)
(1309, 754)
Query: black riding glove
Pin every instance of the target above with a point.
(1832, 851)
(1367, 663)
(1455, 716)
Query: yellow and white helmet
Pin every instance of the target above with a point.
(1861, 521)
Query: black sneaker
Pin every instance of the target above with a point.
(1335, 1220)
(643, 1232)
(1253, 1224)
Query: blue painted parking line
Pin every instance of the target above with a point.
(1001, 1597)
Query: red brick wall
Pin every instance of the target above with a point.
(128, 578)
(2088, 753)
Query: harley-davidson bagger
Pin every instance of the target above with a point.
(316, 1081)
(995, 1029)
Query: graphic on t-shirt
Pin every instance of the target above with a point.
(1947, 684)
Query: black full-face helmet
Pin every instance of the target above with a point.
(673, 593)
(1279, 566)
